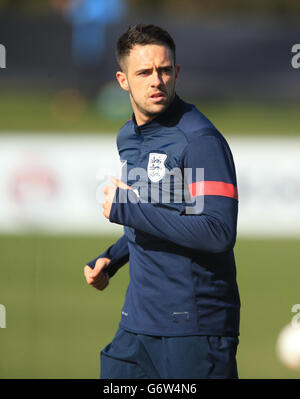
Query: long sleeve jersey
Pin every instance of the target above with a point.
(179, 219)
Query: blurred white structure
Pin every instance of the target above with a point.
(54, 183)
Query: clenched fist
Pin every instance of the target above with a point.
(98, 277)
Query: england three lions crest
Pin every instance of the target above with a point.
(156, 166)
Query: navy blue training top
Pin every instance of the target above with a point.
(180, 223)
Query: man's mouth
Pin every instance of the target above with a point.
(156, 97)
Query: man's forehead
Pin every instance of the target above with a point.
(144, 55)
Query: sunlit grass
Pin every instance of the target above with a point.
(57, 324)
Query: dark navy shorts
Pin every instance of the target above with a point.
(137, 356)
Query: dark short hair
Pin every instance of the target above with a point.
(143, 34)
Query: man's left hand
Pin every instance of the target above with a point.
(110, 192)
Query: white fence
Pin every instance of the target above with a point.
(54, 183)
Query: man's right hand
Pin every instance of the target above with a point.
(98, 277)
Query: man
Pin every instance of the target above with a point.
(178, 203)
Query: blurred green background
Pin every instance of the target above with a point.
(56, 324)
(34, 112)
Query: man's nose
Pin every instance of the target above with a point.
(156, 79)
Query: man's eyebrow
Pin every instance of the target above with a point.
(169, 66)
(144, 70)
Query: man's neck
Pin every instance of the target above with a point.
(142, 119)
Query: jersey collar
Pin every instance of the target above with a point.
(167, 118)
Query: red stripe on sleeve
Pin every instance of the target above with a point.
(213, 188)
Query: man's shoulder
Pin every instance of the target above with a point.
(195, 125)
(128, 125)
(125, 131)
(193, 120)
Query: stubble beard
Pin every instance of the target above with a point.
(147, 112)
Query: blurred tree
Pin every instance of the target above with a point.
(26, 5)
(194, 7)
(181, 8)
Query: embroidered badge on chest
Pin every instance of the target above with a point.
(156, 166)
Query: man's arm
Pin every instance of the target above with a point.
(98, 271)
(117, 254)
(214, 228)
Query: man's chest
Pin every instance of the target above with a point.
(151, 158)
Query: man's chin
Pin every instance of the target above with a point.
(158, 108)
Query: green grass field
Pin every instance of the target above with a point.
(56, 324)
(37, 112)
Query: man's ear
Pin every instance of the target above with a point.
(177, 70)
(122, 79)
